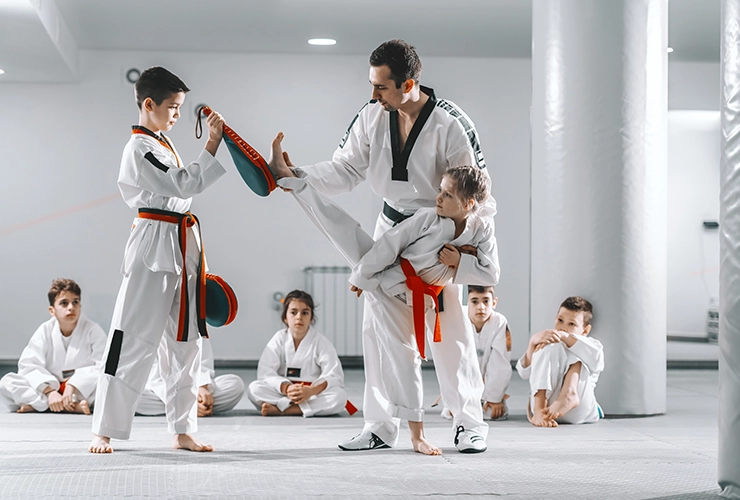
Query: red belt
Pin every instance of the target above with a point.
(418, 289)
(351, 409)
(184, 221)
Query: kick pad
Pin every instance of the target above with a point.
(249, 163)
(221, 303)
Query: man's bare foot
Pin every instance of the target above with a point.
(100, 444)
(188, 442)
(26, 409)
(425, 447)
(278, 166)
(565, 402)
(82, 407)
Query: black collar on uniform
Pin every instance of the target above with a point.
(147, 132)
(400, 170)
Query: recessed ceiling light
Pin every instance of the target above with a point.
(2, 71)
(669, 49)
(322, 41)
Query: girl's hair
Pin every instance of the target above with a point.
(472, 182)
(304, 297)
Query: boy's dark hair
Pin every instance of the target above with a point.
(304, 297)
(481, 289)
(60, 285)
(401, 58)
(579, 304)
(159, 84)
(472, 182)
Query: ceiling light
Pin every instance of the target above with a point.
(669, 49)
(2, 71)
(322, 41)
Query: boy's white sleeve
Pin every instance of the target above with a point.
(207, 367)
(498, 370)
(269, 364)
(145, 170)
(331, 367)
(590, 352)
(349, 164)
(385, 251)
(484, 269)
(85, 379)
(523, 372)
(32, 363)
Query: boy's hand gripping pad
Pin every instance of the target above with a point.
(249, 163)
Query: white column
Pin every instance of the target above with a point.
(729, 267)
(599, 121)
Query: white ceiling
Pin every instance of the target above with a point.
(39, 39)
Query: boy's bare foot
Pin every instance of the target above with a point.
(82, 407)
(188, 442)
(26, 409)
(425, 447)
(278, 166)
(540, 419)
(100, 444)
(565, 402)
(269, 410)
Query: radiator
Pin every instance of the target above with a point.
(338, 311)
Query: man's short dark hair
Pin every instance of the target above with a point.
(401, 58)
(63, 285)
(159, 84)
(579, 304)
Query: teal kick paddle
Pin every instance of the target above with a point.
(221, 303)
(249, 163)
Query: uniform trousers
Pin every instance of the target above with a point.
(227, 391)
(328, 402)
(147, 307)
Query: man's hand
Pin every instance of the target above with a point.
(56, 403)
(497, 409)
(205, 401)
(67, 397)
(449, 256)
(353, 288)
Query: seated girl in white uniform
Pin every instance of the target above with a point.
(58, 369)
(563, 366)
(403, 271)
(215, 394)
(299, 372)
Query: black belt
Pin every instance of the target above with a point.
(394, 215)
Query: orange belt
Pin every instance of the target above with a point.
(351, 409)
(184, 221)
(418, 289)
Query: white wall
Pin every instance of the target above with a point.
(61, 150)
(693, 197)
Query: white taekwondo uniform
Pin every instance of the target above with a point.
(227, 390)
(408, 179)
(547, 372)
(378, 272)
(315, 361)
(50, 359)
(493, 346)
(149, 300)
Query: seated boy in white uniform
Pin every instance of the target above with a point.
(563, 366)
(299, 372)
(58, 369)
(493, 347)
(215, 394)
